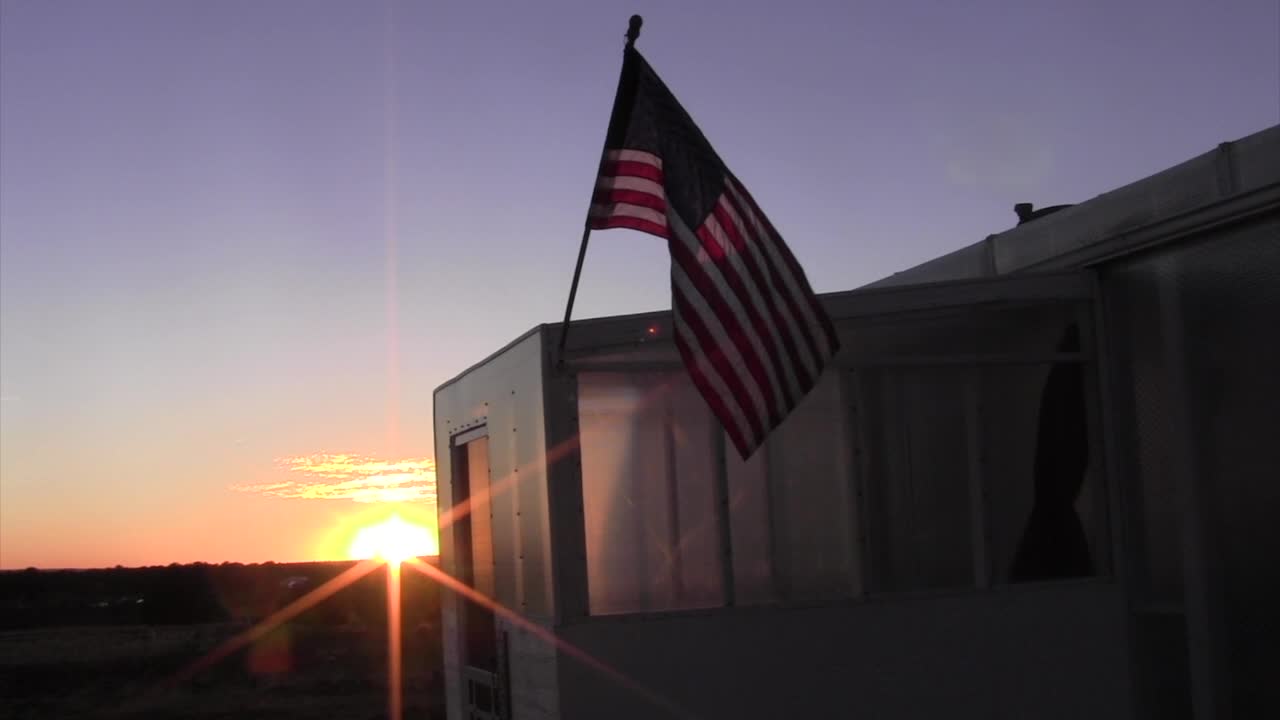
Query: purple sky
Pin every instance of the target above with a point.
(235, 233)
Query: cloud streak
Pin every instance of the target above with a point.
(364, 479)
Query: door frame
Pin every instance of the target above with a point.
(486, 686)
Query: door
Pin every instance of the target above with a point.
(483, 682)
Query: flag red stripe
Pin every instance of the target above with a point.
(797, 273)
(730, 274)
(629, 182)
(734, 413)
(697, 275)
(633, 197)
(767, 293)
(780, 286)
(627, 155)
(632, 169)
(625, 209)
(708, 391)
(715, 355)
(631, 223)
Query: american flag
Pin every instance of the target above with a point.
(750, 330)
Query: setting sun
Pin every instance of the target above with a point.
(393, 540)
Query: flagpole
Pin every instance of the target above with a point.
(633, 32)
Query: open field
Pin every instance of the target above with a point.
(116, 643)
(294, 674)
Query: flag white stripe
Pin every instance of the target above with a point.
(719, 335)
(746, 408)
(753, 333)
(767, 242)
(639, 156)
(750, 239)
(769, 338)
(777, 261)
(631, 182)
(607, 210)
(704, 366)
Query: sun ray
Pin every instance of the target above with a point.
(452, 583)
(271, 622)
(395, 666)
(391, 230)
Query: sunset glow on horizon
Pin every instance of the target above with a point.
(297, 508)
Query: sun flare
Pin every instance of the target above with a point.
(394, 540)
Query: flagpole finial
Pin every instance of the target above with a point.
(633, 29)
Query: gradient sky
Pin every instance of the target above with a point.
(242, 241)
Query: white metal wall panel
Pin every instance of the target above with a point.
(1052, 652)
(504, 393)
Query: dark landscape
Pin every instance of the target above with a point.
(136, 643)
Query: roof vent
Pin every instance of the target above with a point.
(1027, 212)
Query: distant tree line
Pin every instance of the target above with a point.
(203, 593)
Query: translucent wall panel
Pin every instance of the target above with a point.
(648, 462)
(979, 461)
(809, 471)
(790, 507)
(918, 463)
(751, 528)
